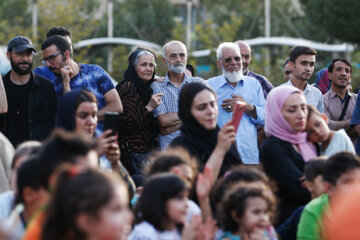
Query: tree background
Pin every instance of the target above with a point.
(215, 21)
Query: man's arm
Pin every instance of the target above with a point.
(169, 122)
(3, 101)
(113, 104)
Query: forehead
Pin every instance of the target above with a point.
(244, 49)
(340, 64)
(203, 96)
(229, 52)
(175, 48)
(306, 57)
(295, 99)
(87, 107)
(146, 58)
(52, 49)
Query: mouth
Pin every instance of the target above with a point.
(300, 123)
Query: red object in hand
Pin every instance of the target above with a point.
(239, 109)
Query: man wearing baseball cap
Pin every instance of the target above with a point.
(31, 98)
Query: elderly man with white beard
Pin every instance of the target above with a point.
(233, 86)
(175, 58)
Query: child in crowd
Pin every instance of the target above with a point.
(319, 132)
(314, 183)
(245, 212)
(340, 171)
(165, 219)
(88, 204)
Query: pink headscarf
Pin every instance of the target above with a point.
(277, 126)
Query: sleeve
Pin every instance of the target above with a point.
(133, 110)
(280, 166)
(260, 107)
(104, 81)
(161, 109)
(355, 118)
(320, 106)
(308, 227)
(332, 123)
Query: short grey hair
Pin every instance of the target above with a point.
(170, 43)
(223, 45)
(140, 54)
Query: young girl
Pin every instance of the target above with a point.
(245, 213)
(319, 132)
(88, 204)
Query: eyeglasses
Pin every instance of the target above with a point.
(228, 60)
(50, 58)
(288, 72)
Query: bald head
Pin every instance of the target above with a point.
(245, 51)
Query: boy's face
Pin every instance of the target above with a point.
(345, 181)
(316, 187)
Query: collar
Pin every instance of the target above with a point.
(32, 77)
(222, 81)
(307, 87)
(333, 94)
(167, 79)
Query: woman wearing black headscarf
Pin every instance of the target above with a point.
(137, 127)
(200, 134)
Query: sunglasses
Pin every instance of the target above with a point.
(228, 60)
(50, 58)
(288, 72)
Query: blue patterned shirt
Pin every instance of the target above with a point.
(92, 78)
(246, 137)
(265, 84)
(45, 72)
(169, 103)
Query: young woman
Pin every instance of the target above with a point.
(245, 213)
(318, 132)
(88, 204)
(284, 152)
(200, 134)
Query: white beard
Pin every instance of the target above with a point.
(234, 76)
(176, 68)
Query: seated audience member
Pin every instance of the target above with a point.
(318, 132)
(22, 153)
(6, 154)
(30, 197)
(314, 183)
(137, 127)
(167, 195)
(340, 172)
(286, 149)
(200, 134)
(246, 211)
(87, 204)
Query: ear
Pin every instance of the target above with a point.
(325, 118)
(28, 195)
(328, 188)
(84, 222)
(67, 55)
(291, 65)
(8, 55)
(235, 216)
(330, 75)
(163, 60)
(219, 63)
(176, 170)
(308, 184)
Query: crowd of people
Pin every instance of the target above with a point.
(175, 164)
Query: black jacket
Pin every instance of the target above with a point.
(42, 108)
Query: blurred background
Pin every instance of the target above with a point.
(105, 31)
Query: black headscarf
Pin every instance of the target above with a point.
(201, 140)
(131, 75)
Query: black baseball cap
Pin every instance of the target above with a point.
(20, 43)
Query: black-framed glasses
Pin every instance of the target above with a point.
(288, 72)
(50, 58)
(228, 60)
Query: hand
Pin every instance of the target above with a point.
(204, 183)
(228, 104)
(113, 153)
(256, 234)
(226, 137)
(159, 79)
(154, 102)
(189, 231)
(66, 74)
(105, 142)
(207, 230)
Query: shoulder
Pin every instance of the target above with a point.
(143, 230)
(251, 81)
(216, 82)
(317, 205)
(195, 79)
(42, 80)
(315, 90)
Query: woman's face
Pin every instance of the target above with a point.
(86, 118)
(205, 110)
(145, 67)
(295, 112)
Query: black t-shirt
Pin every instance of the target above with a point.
(17, 129)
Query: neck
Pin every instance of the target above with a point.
(325, 144)
(19, 79)
(300, 84)
(74, 66)
(176, 77)
(338, 91)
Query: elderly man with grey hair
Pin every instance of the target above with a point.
(233, 86)
(175, 58)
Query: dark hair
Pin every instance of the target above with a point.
(77, 191)
(339, 164)
(163, 161)
(60, 147)
(313, 168)
(312, 110)
(287, 60)
(236, 199)
(61, 44)
(58, 30)
(85, 96)
(331, 66)
(158, 189)
(191, 69)
(186, 98)
(27, 177)
(238, 174)
(301, 50)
